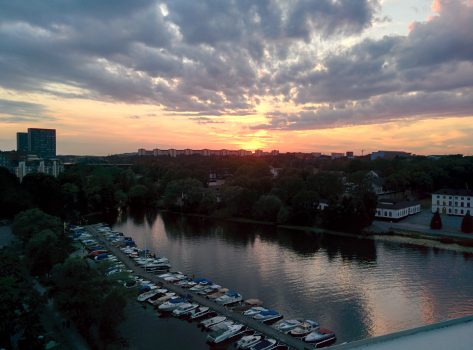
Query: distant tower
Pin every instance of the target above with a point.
(22, 142)
(42, 142)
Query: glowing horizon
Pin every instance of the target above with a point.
(312, 78)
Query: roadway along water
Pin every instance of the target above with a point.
(358, 288)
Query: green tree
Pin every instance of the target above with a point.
(267, 208)
(328, 186)
(111, 314)
(209, 202)
(79, 292)
(44, 250)
(20, 304)
(32, 221)
(238, 201)
(13, 198)
(286, 187)
(45, 191)
(436, 221)
(467, 223)
(304, 207)
(138, 196)
(183, 194)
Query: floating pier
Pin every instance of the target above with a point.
(262, 328)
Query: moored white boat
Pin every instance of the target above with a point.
(172, 304)
(248, 341)
(321, 337)
(254, 311)
(231, 297)
(199, 312)
(287, 325)
(225, 333)
(212, 321)
(146, 295)
(162, 299)
(184, 309)
(268, 316)
(264, 344)
(304, 328)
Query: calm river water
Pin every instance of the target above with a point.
(358, 288)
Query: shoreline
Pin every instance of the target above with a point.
(417, 238)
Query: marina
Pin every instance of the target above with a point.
(251, 323)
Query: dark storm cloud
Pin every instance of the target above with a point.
(18, 111)
(214, 57)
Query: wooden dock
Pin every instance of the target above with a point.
(262, 328)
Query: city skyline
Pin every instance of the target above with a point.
(316, 77)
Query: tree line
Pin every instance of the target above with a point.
(250, 189)
(81, 292)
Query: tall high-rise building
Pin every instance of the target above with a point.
(22, 142)
(42, 142)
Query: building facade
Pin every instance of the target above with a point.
(389, 155)
(50, 167)
(42, 142)
(453, 202)
(396, 211)
(22, 142)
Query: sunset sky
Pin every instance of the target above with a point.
(293, 75)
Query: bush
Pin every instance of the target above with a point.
(436, 222)
(467, 223)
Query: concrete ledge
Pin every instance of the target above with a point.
(371, 342)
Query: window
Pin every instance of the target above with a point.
(462, 211)
(461, 204)
(450, 203)
(449, 211)
(438, 202)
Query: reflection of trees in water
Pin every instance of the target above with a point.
(139, 215)
(301, 242)
(178, 226)
(351, 249)
(109, 217)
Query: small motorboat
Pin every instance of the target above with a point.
(184, 309)
(247, 304)
(264, 344)
(161, 298)
(321, 337)
(304, 328)
(146, 295)
(231, 297)
(268, 316)
(224, 324)
(212, 321)
(287, 325)
(172, 304)
(248, 341)
(225, 333)
(201, 311)
(175, 278)
(254, 311)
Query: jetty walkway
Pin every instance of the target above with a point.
(265, 329)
